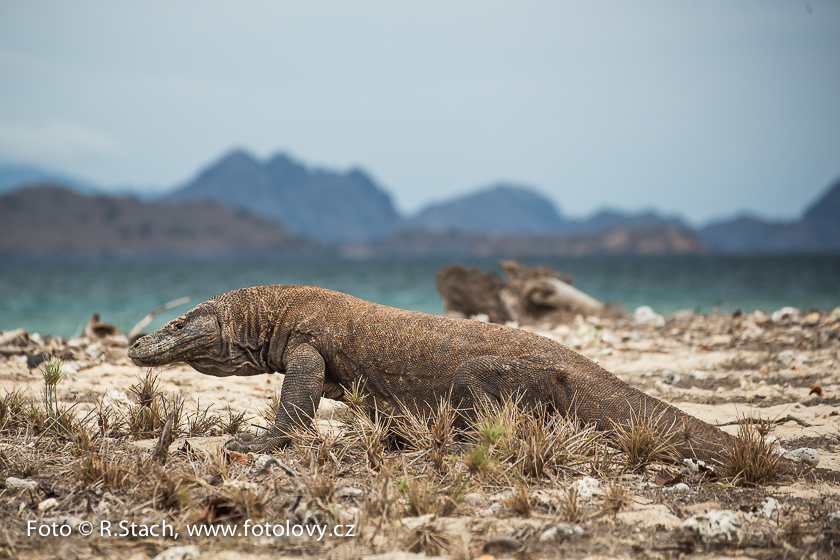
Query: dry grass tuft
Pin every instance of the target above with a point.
(520, 501)
(423, 496)
(320, 487)
(114, 475)
(232, 423)
(317, 447)
(749, 459)
(428, 539)
(616, 498)
(432, 435)
(571, 507)
(643, 442)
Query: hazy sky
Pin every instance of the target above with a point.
(701, 108)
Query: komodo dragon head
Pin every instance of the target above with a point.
(198, 339)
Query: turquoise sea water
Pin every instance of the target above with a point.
(58, 297)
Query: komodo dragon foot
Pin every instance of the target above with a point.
(249, 443)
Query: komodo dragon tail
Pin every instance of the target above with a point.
(616, 405)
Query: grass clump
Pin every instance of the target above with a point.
(749, 460)
(643, 442)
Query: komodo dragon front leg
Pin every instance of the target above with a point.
(299, 398)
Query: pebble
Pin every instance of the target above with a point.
(671, 377)
(561, 532)
(804, 455)
(348, 491)
(587, 487)
(20, 485)
(644, 315)
(785, 313)
(679, 488)
(179, 553)
(718, 524)
(495, 507)
(49, 503)
(771, 507)
(698, 374)
(72, 522)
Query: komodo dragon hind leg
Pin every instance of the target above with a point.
(299, 399)
(486, 380)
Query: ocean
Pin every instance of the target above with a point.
(59, 296)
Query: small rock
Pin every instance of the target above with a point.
(644, 315)
(20, 485)
(834, 515)
(348, 491)
(679, 488)
(72, 522)
(179, 553)
(785, 313)
(483, 317)
(561, 532)
(683, 315)
(698, 374)
(502, 546)
(786, 357)
(473, 499)
(49, 503)
(718, 524)
(495, 507)
(241, 485)
(587, 487)
(804, 455)
(671, 377)
(34, 360)
(771, 507)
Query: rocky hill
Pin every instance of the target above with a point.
(317, 204)
(818, 231)
(54, 220)
(497, 209)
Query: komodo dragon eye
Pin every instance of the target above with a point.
(178, 325)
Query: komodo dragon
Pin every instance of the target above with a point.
(324, 341)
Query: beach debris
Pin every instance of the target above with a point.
(665, 478)
(561, 532)
(97, 329)
(816, 390)
(805, 455)
(135, 330)
(644, 315)
(719, 524)
(529, 296)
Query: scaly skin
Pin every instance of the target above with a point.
(324, 341)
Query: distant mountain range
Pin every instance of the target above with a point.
(50, 220)
(817, 231)
(318, 204)
(280, 202)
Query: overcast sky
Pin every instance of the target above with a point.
(699, 108)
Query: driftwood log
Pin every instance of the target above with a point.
(529, 296)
